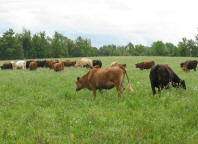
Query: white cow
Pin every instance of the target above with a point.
(85, 62)
(13, 64)
(20, 64)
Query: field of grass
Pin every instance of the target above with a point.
(42, 107)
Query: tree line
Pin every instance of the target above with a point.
(27, 46)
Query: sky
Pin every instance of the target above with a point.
(104, 21)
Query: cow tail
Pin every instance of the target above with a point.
(129, 84)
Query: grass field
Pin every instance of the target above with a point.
(42, 107)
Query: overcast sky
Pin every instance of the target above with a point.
(104, 21)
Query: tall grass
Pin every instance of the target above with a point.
(42, 106)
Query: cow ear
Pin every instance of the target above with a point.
(78, 78)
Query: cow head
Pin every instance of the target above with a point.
(137, 65)
(79, 84)
(183, 84)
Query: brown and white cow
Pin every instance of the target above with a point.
(103, 78)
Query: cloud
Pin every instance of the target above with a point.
(138, 21)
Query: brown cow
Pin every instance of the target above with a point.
(188, 65)
(58, 66)
(117, 64)
(145, 65)
(50, 63)
(69, 63)
(103, 78)
(33, 65)
(7, 65)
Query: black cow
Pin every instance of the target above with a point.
(41, 63)
(162, 75)
(191, 64)
(97, 62)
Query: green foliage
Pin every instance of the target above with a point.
(42, 106)
(10, 46)
(159, 49)
(39, 45)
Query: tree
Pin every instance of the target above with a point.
(172, 49)
(183, 48)
(59, 45)
(131, 49)
(10, 46)
(159, 49)
(193, 48)
(26, 40)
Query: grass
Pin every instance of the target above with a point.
(42, 107)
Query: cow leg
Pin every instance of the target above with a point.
(118, 87)
(159, 91)
(101, 92)
(153, 89)
(94, 93)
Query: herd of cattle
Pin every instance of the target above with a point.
(99, 78)
(52, 64)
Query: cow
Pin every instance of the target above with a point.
(28, 63)
(7, 65)
(114, 64)
(97, 62)
(50, 63)
(103, 78)
(41, 63)
(58, 66)
(33, 65)
(21, 64)
(69, 63)
(188, 65)
(84, 62)
(145, 65)
(117, 64)
(162, 75)
(13, 65)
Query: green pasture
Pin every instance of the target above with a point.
(42, 107)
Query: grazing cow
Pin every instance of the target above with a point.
(145, 65)
(117, 64)
(41, 63)
(114, 64)
(188, 65)
(97, 62)
(161, 76)
(28, 63)
(69, 63)
(13, 65)
(21, 64)
(7, 65)
(33, 65)
(50, 63)
(103, 78)
(58, 66)
(84, 62)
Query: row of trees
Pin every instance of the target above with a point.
(28, 46)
